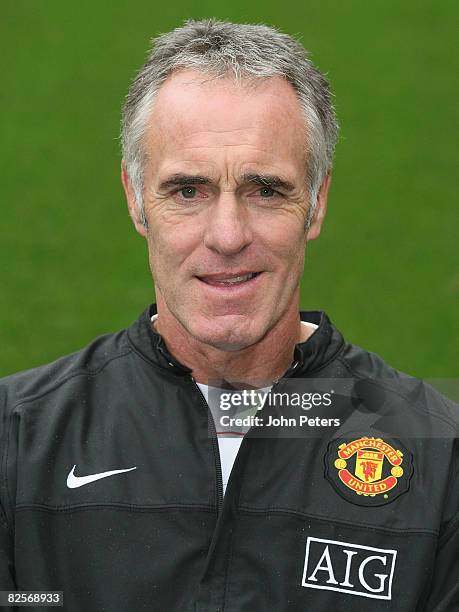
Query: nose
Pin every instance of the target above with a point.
(228, 229)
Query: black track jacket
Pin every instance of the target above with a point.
(364, 516)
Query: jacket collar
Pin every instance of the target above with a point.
(320, 348)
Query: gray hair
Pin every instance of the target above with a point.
(246, 52)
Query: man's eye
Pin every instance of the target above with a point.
(267, 192)
(188, 192)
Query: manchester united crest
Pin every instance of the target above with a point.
(368, 471)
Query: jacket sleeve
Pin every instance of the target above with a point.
(6, 559)
(444, 589)
(6, 563)
(7, 581)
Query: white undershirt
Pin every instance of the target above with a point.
(229, 445)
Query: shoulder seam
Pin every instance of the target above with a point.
(79, 372)
(379, 384)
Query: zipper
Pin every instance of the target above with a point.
(289, 374)
(218, 465)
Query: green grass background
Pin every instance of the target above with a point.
(386, 266)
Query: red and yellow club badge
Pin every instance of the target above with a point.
(368, 471)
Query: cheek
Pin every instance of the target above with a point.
(287, 242)
(169, 247)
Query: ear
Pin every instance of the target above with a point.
(321, 209)
(132, 202)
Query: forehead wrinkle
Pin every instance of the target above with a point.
(283, 107)
(239, 138)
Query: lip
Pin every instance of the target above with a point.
(220, 276)
(234, 288)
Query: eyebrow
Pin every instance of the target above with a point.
(264, 180)
(268, 180)
(184, 179)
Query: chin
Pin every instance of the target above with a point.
(227, 338)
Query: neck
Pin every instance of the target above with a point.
(258, 365)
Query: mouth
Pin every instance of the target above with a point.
(229, 280)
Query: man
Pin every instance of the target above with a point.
(118, 486)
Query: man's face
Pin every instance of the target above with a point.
(226, 200)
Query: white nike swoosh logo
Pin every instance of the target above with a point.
(78, 481)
